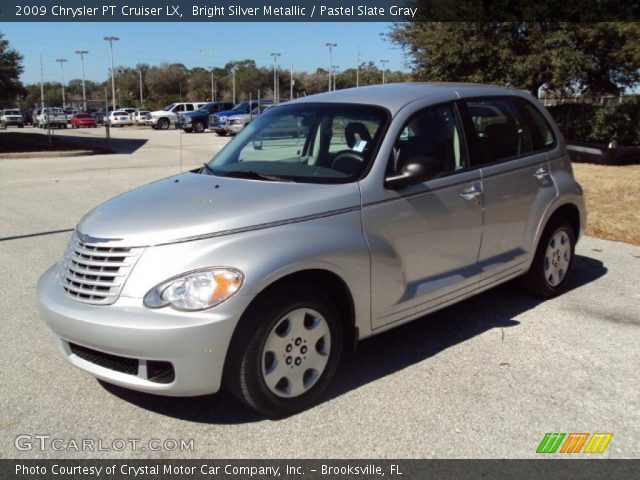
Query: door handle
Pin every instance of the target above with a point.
(470, 193)
(541, 174)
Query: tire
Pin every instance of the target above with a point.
(221, 133)
(188, 130)
(292, 376)
(198, 127)
(163, 124)
(552, 264)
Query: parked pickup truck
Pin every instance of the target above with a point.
(168, 116)
(11, 117)
(235, 123)
(52, 117)
(218, 121)
(197, 120)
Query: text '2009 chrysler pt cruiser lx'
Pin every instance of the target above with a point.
(327, 220)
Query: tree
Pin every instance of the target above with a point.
(595, 57)
(10, 70)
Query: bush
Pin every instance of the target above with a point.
(600, 124)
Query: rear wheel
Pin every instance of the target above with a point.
(163, 123)
(285, 351)
(553, 262)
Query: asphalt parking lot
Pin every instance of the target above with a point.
(486, 378)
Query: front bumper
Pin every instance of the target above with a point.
(233, 129)
(13, 121)
(194, 343)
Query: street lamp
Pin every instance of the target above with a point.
(335, 75)
(331, 47)
(82, 53)
(61, 61)
(275, 76)
(384, 68)
(113, 73)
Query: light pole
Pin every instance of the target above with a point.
(140, 77)
(113, 73)
(82, 53)
(331, 47)
(210, 50)
(335, 75)
(291, 81)
(233, 73)
(358, 69)
(384, 68)
(41, 84)
(275, 76)
(61, 61)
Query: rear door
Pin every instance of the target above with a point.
(517, 186)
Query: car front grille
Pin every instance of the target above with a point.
(96, 274)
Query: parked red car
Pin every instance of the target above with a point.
(83, 120)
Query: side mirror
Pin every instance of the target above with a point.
(416, 170)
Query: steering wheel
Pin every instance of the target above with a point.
(347, 161)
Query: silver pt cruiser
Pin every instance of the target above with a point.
(327, 220)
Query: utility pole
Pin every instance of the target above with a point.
(358, 69)
(331, 47)
(113, 73)
(335, 74)
(82, 53)
(384, 69)
(275, 76)
(61, 61)
(213, 92)
(41, 84)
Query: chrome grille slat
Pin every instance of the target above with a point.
(92, 273)
(76, 269)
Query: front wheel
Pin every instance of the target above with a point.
(163, 124)
(285, 351)
(553, 262)
(198, 127)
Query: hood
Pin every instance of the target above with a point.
(228, 113)
(191, 205)
(163, 113)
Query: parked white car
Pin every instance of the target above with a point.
(118, 118)
(11, 117)
(140, 117)
(168, 116)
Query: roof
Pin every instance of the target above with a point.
(394, 96)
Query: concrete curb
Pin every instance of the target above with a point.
(53, 153)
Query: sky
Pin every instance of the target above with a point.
(300, 44)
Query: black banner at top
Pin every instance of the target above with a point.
(318, 10)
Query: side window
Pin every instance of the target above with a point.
(189, 107)
(498, 130)
(432, 136)
(542, 136)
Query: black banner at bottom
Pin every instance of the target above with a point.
(319, 469)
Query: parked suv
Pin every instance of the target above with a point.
(235, 123)
(11, 116)
(168, 116)
(197, 120)
(327, 220)
(218, 121)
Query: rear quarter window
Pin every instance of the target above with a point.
(542, 134)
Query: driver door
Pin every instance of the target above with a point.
(425, 241)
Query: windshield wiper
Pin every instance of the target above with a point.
(251, 175)
(207, 167)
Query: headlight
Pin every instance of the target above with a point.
(196, 290)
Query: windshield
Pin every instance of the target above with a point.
(12, 112)
(169, 107)
(240, 107)
(308, 142)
